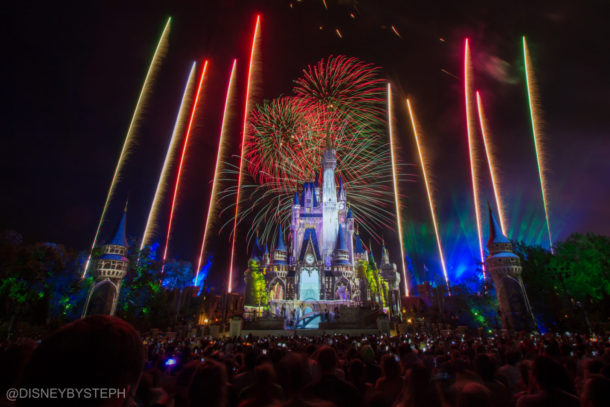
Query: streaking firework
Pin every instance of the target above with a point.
(429, 193)
(251, 68)
(533, 101)
(490, 161)
(470, 130)
(345, 85)
(130, 138)
(181, 162)
(396, 194)
(170, 156)
(287, 137)
(219, 154)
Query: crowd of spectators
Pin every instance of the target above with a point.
(411, 370)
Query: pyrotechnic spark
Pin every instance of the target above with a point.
(341, 97)
(396, 32)
(396, 195)
(181, 162)
(490, 160)
(129, 142)
(533, 102)
(338, 33)
(471, 147)
(169, 160)
(219, 154)
(243, 144)
(429, 193)
(449, 73)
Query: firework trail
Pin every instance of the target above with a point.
(172, 150)
(129, 142)
(532, 97)
(219, 154)
(396, 195)
(490, 159)
(181, 162)
(243, 145)
(429, 193)
(471, 147)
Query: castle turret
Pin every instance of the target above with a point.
(329, 205)
(391, 276)
(109, 270)
(340, 254)
(266, 256)
(280, 254)
(504, 266)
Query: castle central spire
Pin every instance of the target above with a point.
(329, 200)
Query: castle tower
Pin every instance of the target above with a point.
(109, 269)
(340, 254)
(359, 252)
(330, 216)
(504, 266)
(280, 253)
(392, 277)
(294, 223)
(349, 225)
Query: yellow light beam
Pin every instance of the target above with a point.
(490, 161)
(170, 157)
(219, 154)
(396, 195)
(129, 142)
(429, 193)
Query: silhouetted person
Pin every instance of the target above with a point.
(554, 386)
(95, 352)
(264, 391)
(474, 394)
(208, 387)
(596, 392)
(390, 383)
(329, 387)
(419, 389)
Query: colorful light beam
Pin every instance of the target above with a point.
(490, 161)
(129, 142)
(170, 156)
(471, 147)
(180, 164)
(396, 195)
(429, 193)
(219, 154)
(532, 98)
(243, 143)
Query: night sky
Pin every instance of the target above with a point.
(71, 75)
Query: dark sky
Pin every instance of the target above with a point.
(71, 74)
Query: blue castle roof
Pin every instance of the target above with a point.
(257, 250)
(310, 233)
(280, 241)
(120, 238)
(359, 248)
(340, 240)
(349, 213)
(495, 231)
(296, 198)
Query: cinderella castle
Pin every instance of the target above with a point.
(325, 265)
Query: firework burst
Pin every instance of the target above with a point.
(339, 98)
